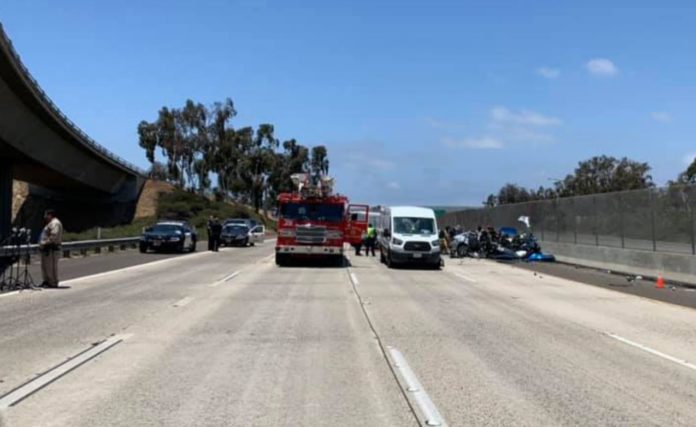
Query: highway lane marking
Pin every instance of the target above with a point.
(134, 267)
(9, 294)
(382, 349)
(25, 390)
(415, 389)
(652, 351)
(467, 278)
(225, 279)
(182, 302)
(266, 258)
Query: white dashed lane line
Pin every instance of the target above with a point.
(415, 390)
(182, 302)
(27, 389)
(225, 279)
(467, 278)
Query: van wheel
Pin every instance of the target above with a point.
(390, 264)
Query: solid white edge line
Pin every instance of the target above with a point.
(414, 388)
(47, 378)
(465, 277)
(182, 302)
(354, 278)
(134, 267)
(8, 294)
(652, 351)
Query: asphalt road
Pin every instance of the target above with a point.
(672, 292)
(78, 266)
(228, 338)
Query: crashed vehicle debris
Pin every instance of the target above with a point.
(505, 244)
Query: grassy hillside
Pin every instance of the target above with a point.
(180, 205)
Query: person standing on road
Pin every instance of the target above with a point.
(49, 243)
(216, 230)
(211, 240)
(370, 240)
(444, 245)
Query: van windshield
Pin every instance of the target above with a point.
(410, 225)
(312, 212)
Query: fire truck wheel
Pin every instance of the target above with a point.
(281, 260)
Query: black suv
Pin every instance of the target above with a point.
(170, 235)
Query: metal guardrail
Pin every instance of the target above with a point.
(81, 246)
(72, 126)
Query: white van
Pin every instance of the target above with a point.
(409, 235)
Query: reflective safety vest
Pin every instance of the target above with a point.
(371, 232)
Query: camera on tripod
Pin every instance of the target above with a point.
(15, 258)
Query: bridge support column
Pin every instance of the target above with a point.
(5, 198)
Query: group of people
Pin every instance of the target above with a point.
(447, 236)
(214, 233)
(369, 241)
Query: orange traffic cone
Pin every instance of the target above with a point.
(660, 283)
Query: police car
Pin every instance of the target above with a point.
(169, 235)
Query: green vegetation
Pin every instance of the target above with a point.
(196, 143)
(600, 174)
(197, 209)
(180, 205)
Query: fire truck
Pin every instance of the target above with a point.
(314, 223)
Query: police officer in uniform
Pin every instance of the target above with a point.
(216, 230)
(49, 243)
(211, 237)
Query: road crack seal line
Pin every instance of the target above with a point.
(382, 348)
(32, 386)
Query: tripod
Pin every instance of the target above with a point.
(16, 258)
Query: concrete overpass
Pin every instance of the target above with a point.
(41, 146)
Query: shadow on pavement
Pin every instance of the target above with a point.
(315, 263)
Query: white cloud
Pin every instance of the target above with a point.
(601, 67)
(503, 115)
(393, 185)
(688, 158)
(548, 72)
(661, 116)
(484, 143)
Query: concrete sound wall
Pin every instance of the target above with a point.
(674, 266)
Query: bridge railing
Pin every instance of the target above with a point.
(44, 97)
(81, 247)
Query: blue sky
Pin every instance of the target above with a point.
(418, 102)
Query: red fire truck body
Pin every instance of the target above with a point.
(314, 223)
